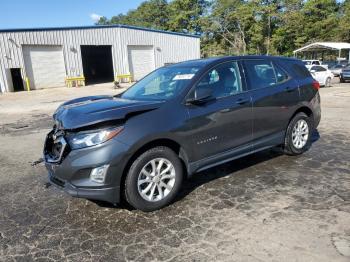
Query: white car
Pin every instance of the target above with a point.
(322, 75)
(310, 63)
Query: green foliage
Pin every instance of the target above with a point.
(230, 27)
(152, 13)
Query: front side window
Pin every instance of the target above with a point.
(262, 73)
(224, 80)
(162, 84)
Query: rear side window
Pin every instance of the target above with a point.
(263, 73)
(298, 68)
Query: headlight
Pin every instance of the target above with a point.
(86, 139)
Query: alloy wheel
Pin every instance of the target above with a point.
(300, 134)
(156, 179)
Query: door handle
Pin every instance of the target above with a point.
(289, 89)
(242, 101)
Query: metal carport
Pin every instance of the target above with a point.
(317, 47)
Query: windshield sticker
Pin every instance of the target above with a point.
(183, 77)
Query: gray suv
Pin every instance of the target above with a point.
(180, 119)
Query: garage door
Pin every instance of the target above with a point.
(44, 66)
(141, 61)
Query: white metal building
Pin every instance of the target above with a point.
(46, 56)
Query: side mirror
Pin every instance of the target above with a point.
(201, 95)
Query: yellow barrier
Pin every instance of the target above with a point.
(27, 83)
(78, 80)
(124, 76)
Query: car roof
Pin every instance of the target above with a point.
(215, 60)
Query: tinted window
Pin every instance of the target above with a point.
(224, 80)
(301, 71)
(263, 73)
(260, 73)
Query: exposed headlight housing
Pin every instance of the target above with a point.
(87, 139)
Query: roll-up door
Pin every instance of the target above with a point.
(44, 66)
(141, 60)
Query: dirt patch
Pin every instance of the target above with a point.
(27, 125)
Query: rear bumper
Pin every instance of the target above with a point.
(316, 105)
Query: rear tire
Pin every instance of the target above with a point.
(298, 135)
(342, 80)
(328, 82)
(154, 179)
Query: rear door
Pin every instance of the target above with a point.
(275, 96)
(225, 122)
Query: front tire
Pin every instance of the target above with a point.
(298, 135)
(154, 179)
(328, 82)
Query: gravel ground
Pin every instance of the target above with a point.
(264, 207)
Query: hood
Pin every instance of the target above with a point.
(91, 110)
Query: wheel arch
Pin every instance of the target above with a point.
(303, 109)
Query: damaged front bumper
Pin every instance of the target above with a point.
(70, 170)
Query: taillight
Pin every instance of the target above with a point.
(316, 84)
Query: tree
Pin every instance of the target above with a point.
(186, 15)
(287, 35)
(152, 14)
(343, 30)
(232, 27)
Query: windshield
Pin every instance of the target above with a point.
(162, 84)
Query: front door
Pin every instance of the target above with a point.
(275, 96)
(224, 122)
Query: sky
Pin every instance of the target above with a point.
(58, 13)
